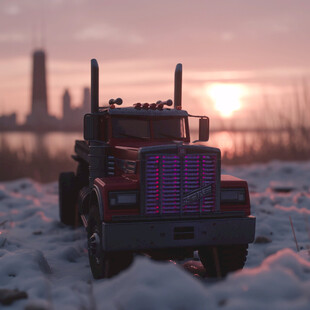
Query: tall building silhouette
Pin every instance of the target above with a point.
(66, 106)
(39, 118)
(86, 99)
(73, 115)
(39, 90)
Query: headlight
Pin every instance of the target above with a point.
(232, 195)
(126, 199)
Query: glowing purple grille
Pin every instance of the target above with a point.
(170, 177)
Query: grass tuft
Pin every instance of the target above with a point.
(38, 165)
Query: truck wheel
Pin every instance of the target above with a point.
(67, 198)
(220, 260)
(82, 175)
(103, 264)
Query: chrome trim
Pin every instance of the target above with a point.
(180, 151)
(100, 203)
(144, 112)
(161, 234)
(110, 165)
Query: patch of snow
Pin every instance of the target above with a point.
(49, 261)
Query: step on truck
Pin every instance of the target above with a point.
(141, 187)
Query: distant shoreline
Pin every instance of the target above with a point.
(80, 130)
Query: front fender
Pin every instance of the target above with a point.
(96, 194)
(102, 187)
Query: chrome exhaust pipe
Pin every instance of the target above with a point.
(178, 87)
(94, 86)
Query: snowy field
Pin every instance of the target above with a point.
(49, 262)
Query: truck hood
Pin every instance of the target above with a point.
(130, 151)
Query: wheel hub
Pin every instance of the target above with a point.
(94, 245)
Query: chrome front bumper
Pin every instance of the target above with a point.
(136, 236)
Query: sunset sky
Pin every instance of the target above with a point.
(253, 47)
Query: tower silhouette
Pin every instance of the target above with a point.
(39, 94)
(39, 118)
(66, 106)
(86, 99)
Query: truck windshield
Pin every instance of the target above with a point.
(155, 128)
(171, 128)
(130, 128)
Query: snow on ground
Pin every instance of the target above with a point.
(49, 261)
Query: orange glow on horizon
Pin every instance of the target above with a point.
(227, 98)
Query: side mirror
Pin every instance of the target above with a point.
(91, 127)
(203, 129)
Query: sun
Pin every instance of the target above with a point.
(227, 98)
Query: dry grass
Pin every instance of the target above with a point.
(284, 131)
(266, 146)
(38, 165)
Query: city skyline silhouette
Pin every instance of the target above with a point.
(39, 119)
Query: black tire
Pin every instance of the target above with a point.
(220, 260)
(103, 264)
(82, 175)
(68, 199)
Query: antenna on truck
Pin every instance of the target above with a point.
(178, 87)
(94, 86)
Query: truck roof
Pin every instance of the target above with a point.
(143, 112)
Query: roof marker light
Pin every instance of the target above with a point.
(167, 102)
(145, 106)
(117, 101)
(160, 106)
(137, 105)
(153, 106)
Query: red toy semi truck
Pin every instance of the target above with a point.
(142, 187)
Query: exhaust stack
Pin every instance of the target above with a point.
(178, 87)
(94, 86)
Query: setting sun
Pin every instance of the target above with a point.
(226, 97)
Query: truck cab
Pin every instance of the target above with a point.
(142, 187)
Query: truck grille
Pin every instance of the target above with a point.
(171, 178)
